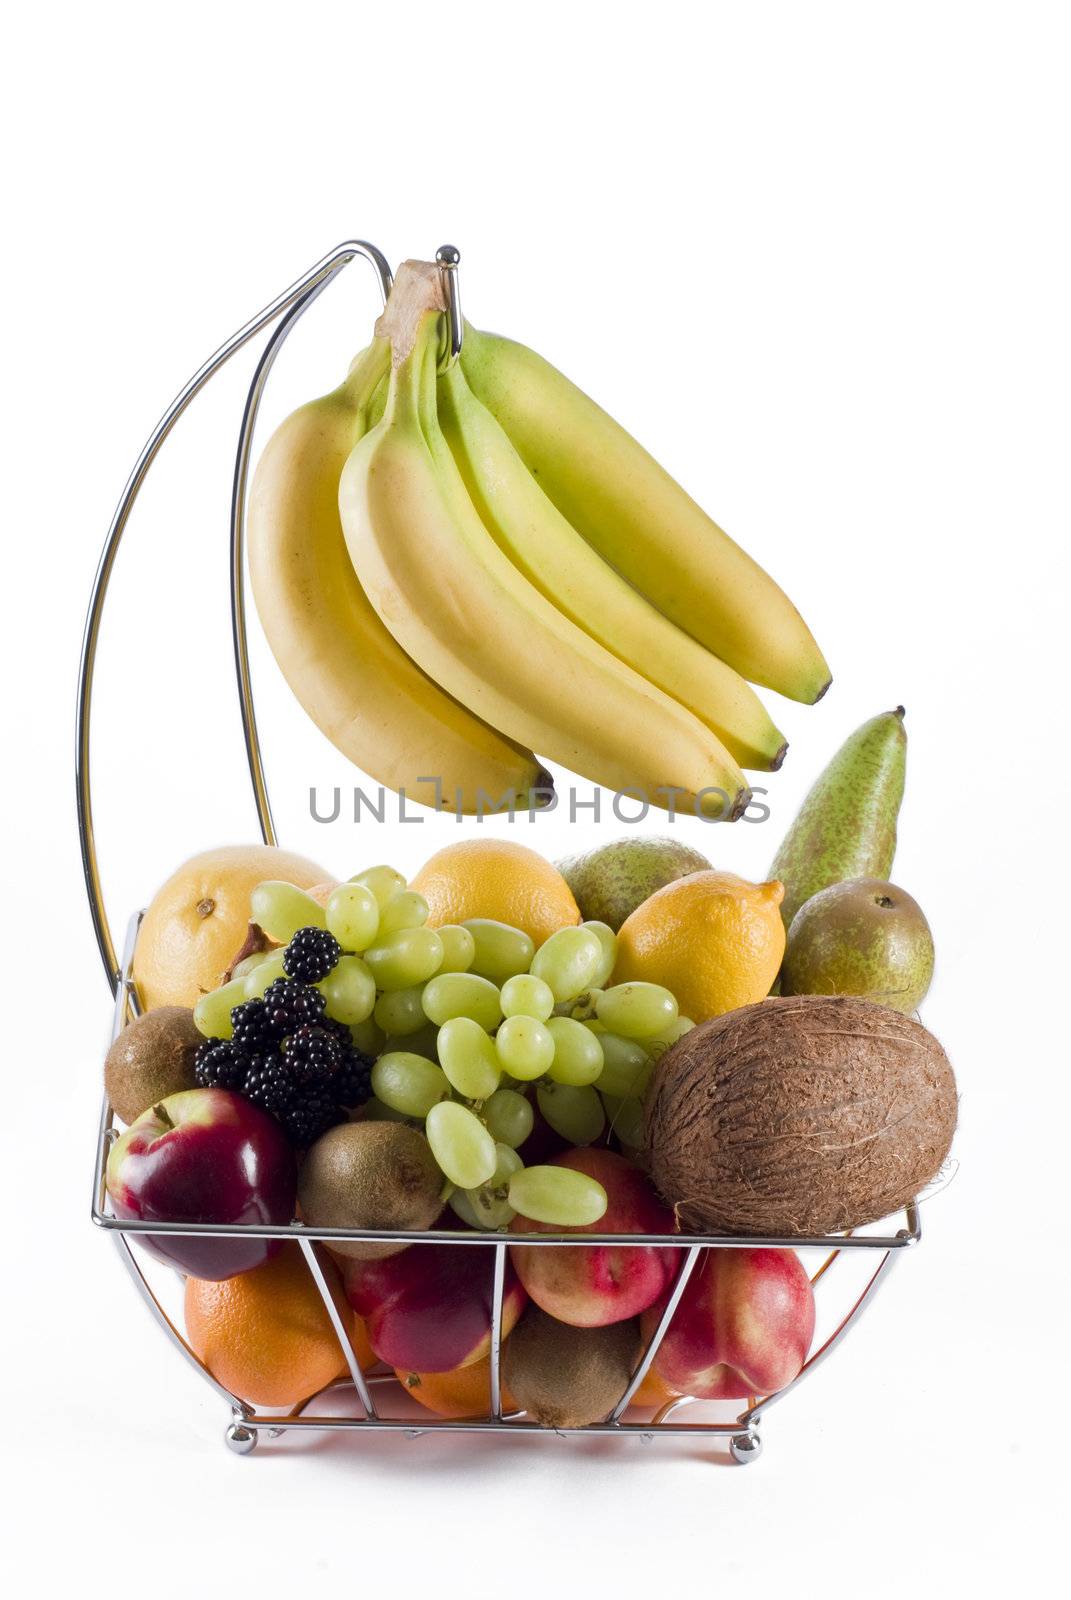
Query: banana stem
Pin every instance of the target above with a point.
(417, 290)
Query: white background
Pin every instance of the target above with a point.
(817, 258)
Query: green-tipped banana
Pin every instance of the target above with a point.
(360, 689)
(642, 522)
(846, 827)
(474, 623)
(530, 529)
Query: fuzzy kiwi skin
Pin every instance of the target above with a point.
(151, 1058)
(370, 1175)
(566, 1377)
(799, 1115)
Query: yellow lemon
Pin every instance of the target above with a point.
(712, 938)
(497, 879)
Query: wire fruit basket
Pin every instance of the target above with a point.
(373, 1391)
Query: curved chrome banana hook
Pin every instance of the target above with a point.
(299, 295)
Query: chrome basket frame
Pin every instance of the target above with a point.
(247, 1423)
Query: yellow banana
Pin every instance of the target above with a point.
(642, 522)
(362, 691)
(553, 556)
(460, 608)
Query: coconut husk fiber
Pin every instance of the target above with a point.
(803, 1115)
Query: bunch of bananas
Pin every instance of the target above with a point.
(455, 569)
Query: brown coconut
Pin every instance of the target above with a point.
(801, 1115)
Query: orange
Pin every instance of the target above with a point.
(498, 879)
(197, 922)
(464, 1392)
(266, 1334)
(712, 938)
(653, 1392)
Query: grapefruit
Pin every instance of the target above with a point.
(198, 920)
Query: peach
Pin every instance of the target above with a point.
(428, 1308)
(590, 1286)
(743, 1326)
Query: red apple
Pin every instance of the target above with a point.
(743, 1326)
(428, 1308)
(204, 1155)
(592, 1285)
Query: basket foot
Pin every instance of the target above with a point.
(745, 1448)
(240, 1438)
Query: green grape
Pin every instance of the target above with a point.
(582, 1009)
(558, 1196)
(525, 996)
(626, 1066)
(419, 1044)
(263, 975)
(248, 964)
(281, 909)
(608, 939)
(656, 1048)
(384, 883)
(468, 1057)
(626, 1119)
(460, 1203)
(577, 1052)
(409, 1083)
(369, 1037)
(508, 1116)
(401, 1011)
(462, 994)
(637, 1010)
(525, 1047)
(488, 1206)
(461, 1144)
(568, 961)
(459, 947)
(353, 916)
(405, 958)
(349, 989)
(501, 951)
(212, 1013)
(575, 1113)
(406, 909)
(375, 1111)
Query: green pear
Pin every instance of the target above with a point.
(609, 882)
(863, 937)
(846, 827)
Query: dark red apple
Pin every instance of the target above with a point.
(592, 1285)
(428, 1308)
(743, 1326)
(204, 1155)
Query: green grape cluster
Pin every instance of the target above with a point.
(464, 1022)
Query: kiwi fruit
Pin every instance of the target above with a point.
(151, 1058)
(566, 1377)
(801, 1115)
(370, 1175)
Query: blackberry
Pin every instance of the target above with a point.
(220, 1064)
(306, 1119)
(291, 1003)
(337, 1030)
(253, 1027)
(311, 954)
(269, 1083)
(313, 1055)
(303, 1109)
(353, 1081)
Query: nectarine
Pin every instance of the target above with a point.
(592, 1286)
